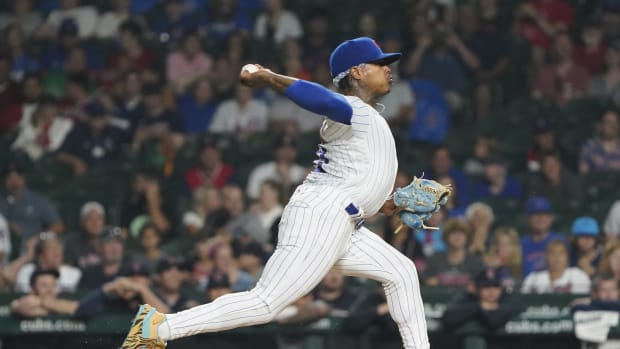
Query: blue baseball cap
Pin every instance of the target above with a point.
(585, 226)
(538, 204)
(355, 52)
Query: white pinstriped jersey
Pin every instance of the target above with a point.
(360, 159)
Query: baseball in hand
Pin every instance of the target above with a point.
(250, 68)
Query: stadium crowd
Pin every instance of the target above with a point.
(84, 83)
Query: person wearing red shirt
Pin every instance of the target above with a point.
(210, 169)
(590, 53)
(540, 21)
(563, 80)
(132, 56)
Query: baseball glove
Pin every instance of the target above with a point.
(418, 201)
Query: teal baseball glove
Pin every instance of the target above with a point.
(418, 201)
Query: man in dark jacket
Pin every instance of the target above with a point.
(490, 306)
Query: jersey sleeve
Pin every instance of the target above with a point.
(320, 100)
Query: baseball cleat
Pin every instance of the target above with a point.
(143, 331)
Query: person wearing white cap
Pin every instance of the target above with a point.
(81, 247)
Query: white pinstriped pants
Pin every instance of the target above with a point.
(315, 235)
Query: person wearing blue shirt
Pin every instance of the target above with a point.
(197, 107)
(533, 245)
(53, 59)
(442, 165)
(174, 23)
(497, 183)
(225, 17)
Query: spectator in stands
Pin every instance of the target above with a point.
(303, 312)
(455, 267)
(443, 58)
(275, 23)
(607, 84)
(489, 47)
(585, 248)
(132, 55)
(554, 180)
(77, 97)
(590, 53)
(316, 42)
(111, 254)
(489, 306)
(241, 116)
(150, 241)
(158, 123)
(227, 76)
(109, 23)
(123, 294)
(48, 255)
(42, 299)
(545, 141)
(201, 263)
(210, 170)
(15, 46)
(169, 280)
(611, 228)
(540, 218)
(9, 94)
(497, 183)
(56, 58)
(217, 286)
(282, 169)
(367, 24)
(505, 255)
(27, 212)
(405, 241)
(563, 80)
(602, 152)
(237, 48)
(221, 255)
(432, 239)
(85, 16)
(83, 247)
(197, 106)
(484, 146)
(173, 22)
(225, 18)
(146, 200)
(605, 295)
(258, 223)
(251, 259)
(5, 249)
(441, 164)
(480, 217)
(610, 261)
(91, 143)
(540, 21)
(44, 132)
(453, 206)
(185, 65)
(206, 204)
(331, 290)
(18, 111)
(23, 15)
(372, 311)
(128, 102)
(558, 277)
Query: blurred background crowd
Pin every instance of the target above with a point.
(136, 168)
